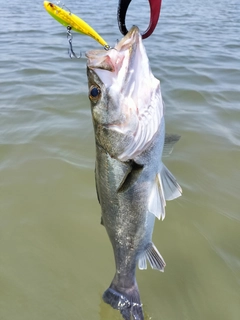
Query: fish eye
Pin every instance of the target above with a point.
(94, 93)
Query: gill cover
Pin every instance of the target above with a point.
(131, 110)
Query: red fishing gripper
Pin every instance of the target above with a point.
(155, 8)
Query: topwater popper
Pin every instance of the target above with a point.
(71, 21)
(132, 182)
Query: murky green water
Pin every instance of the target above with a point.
(55, 257)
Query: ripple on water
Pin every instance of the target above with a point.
(47, 193)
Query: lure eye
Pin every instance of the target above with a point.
(94, 93)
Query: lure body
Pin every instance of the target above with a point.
(67, 18)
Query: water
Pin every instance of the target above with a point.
(55, 257)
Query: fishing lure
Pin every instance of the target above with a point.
(73, 22)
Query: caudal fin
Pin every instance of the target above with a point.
(127, 301)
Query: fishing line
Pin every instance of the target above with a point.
(63, 6)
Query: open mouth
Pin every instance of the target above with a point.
(114, 63)
(96, 58)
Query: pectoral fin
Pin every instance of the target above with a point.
(154, 257)
(131, 177)
(169, 142)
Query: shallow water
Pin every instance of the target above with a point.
(55, 257)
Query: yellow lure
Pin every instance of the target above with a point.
(67, 18)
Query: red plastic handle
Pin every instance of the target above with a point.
(155, 8)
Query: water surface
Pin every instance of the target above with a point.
(55, 257)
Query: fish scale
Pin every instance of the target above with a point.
(132, 182)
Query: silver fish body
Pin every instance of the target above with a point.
(132, 182)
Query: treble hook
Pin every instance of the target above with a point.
(71, 53)
(155, 8)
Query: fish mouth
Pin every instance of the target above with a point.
(129, 39)
(115, 60)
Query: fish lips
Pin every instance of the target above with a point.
(117, 60)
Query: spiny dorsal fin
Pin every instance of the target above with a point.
(154, 257)
(96, 185)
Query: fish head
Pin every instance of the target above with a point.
(125, 97)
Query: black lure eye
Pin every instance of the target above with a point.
(94, 93)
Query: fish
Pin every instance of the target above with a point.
(132, 182)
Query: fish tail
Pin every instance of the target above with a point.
(127, 301)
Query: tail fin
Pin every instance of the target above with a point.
(127, 301)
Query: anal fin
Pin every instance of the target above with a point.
(154, 257)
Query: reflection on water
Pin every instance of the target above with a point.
(56, 259)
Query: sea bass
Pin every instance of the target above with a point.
(132, 182)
